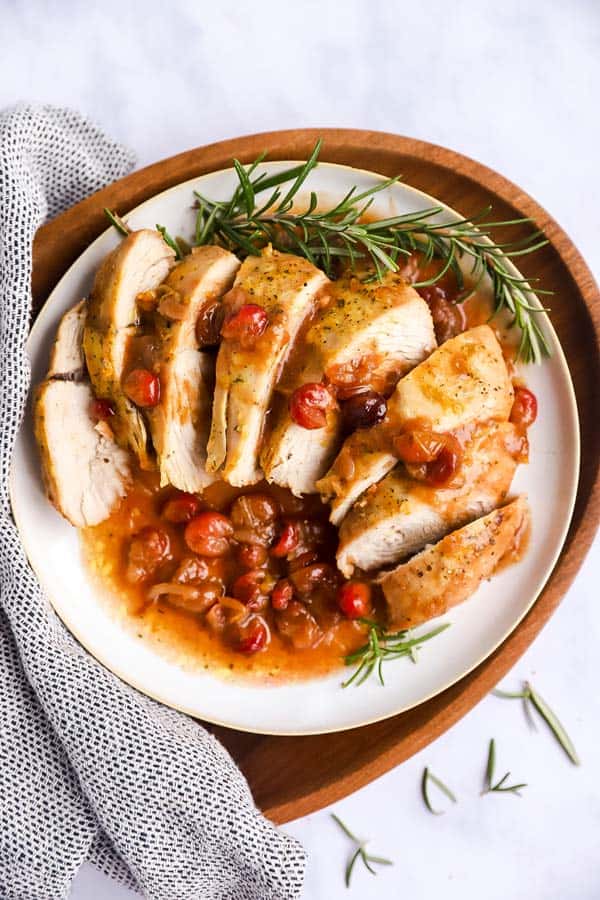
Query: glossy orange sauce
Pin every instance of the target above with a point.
(183, 635)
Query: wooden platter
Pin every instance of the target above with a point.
(292, 776)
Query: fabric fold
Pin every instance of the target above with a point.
(90, 768)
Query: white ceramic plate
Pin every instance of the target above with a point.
(319, 705)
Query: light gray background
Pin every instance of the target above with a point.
(514, 85)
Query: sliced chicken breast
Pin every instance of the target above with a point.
(140, 263)
(448, 573)
(400, 515)
(85, 471)
(285, 286)
(369, 333)
(463, 381)
(180, 423)
(67, 361)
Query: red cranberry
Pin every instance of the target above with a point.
(354, 599)
(309, 404)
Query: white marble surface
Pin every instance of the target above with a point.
(514, 85)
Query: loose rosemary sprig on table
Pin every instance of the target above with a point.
(245, 225)
(500, 787)
(360, 853)
(382, 646)
(531, 697)
(428, 776)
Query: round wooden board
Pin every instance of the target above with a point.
(292, 776)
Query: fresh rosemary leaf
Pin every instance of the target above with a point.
(117, 222)
(345, 828)
(500, 786)
(246, 185)
(531, 697)
(552, 721)
(510, 695)
(427, 777)
(204, 225)
(491, 763)
(170, 241)
(266, 182)
(512, 789)
(350, 866)
(359, 853)
(382, 646)
(394, 221)
(311, 162)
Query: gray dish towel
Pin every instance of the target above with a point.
(89, 768)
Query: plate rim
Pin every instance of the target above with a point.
(541, 583)
(376, 749)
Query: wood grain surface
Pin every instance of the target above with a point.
(293, 776)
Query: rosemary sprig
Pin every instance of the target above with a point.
(244, 226)
(427, 777)
(177, 245)
(170, 241)
(382, 646)
(500, 786)
(117, 222)
(359, 853)
(531, 698)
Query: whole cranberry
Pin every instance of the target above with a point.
(363, 410)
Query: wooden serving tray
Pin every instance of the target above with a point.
(292, 776)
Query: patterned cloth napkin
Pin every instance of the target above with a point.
(89, 768)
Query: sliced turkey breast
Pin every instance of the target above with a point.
(140, 262)
(180, 423)
(463, 381)
(85, 471)
(448, 573)
(400, 515)
(284, 287)
(67, 361)
(369, 334)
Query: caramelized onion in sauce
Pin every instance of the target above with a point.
(250, 575)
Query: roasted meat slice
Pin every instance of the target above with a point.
(67, 362)
(180, 423)
(369, 335)
(272, 295)
(85, 471)
(463, 381)
(447, 573)
(140, 262)
(400, 515)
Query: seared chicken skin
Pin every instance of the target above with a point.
(446, 574)
(369, 333)
(180, 422)
(463, 381)
(85, 471)
(284, 287)
(400, 515)
(140, 262)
